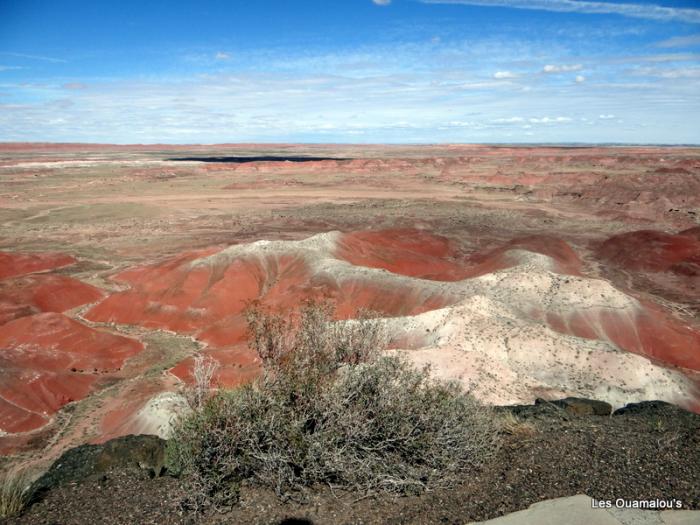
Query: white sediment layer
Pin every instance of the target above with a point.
(495, 337)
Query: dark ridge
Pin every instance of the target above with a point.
(243, 160)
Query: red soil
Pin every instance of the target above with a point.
(31, 294)
(649, 332)
(204, 293)
(175, 296)
(565, 259)
(208, 299)
(49, 360)
(407, 252)
(237, 365)
(12, 264)
(652, 251)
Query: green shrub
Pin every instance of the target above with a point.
(330, 409)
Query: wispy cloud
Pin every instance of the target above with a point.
(549, 120)
(672, 57)
(33, 57)
(382, 2)
(672, 73)
(680, 41)
(648, 11)
(561, 68)
(222, 55)
(476, 90)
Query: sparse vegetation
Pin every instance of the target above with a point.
(512, 425)
(203, 370)
(329, 409)
(14, 493)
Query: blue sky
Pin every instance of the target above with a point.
(350, 71)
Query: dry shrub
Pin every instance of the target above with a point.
(14, 493)
(330, 409)
(512, 425)
(203, 370)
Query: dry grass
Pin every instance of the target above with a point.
(329, 409)
(512, 425)
(14, 493)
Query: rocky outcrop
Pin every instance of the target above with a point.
(581, 407)
(141, 452)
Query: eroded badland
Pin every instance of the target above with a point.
(521, 272)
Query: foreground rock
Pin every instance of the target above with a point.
(581, 407)
(582, 510)
(80, 463)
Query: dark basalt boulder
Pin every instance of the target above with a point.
(579, 406)
(655, 409)
(141, 452)
(559, 408)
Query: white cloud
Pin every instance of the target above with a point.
(580, 79)
(549, 120)
(680, 41)
(509, 120)
(483, 85)
(222, 55)
(562, 68)
(647, 11)
(500, 75)
(382, 2)
(606, 117)
(381, 93)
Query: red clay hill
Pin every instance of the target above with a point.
(48, 359)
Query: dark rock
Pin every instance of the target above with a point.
(654, 408)
(579, 406)
(537, 411)
(146, 452)
(77, 464)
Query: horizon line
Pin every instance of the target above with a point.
(385, 144)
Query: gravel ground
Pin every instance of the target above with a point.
(650, 453)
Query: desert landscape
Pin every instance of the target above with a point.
(522, 272)
(369, 262)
